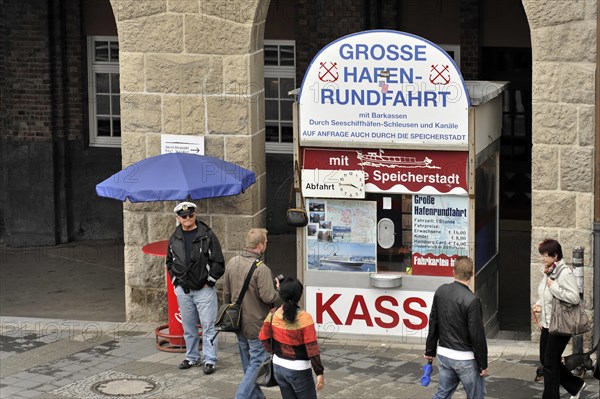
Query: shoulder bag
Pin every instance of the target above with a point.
(264, 375)
(229, 315)
(296, 217)
(566, 318)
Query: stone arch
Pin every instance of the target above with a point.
(191, 67)
(194, 68)
(563, 41)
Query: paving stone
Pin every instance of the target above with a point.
(66, 369)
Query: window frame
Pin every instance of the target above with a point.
(279, 72)
(94, 67)
(455, 48)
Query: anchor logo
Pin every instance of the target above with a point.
(328, 73)
(437, 77)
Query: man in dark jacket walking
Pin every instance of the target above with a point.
(456, 323)
(195, 263)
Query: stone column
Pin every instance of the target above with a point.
(194, 68)
(563, 39)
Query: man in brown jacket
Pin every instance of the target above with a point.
(257, 302)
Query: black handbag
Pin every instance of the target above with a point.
(566, 318)
(229, 315)
(296, 217)
(265, 377)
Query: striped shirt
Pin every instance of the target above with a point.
(293, 341)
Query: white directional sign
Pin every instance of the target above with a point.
(181, 143)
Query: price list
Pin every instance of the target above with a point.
(440, 225)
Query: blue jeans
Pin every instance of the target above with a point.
(454, 371)
(199, 305)
(295, 384)
(252, 353)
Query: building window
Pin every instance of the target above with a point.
(453, 51)
(280, 79)
(104, 93)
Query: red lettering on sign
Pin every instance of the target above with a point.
(413, 312)
(388, 312)
(326, 307)
(352, 315)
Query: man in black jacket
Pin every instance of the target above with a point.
(195, 263)
(456, 324)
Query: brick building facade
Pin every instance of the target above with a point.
(46, 164)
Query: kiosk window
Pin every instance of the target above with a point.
(396, 210)
(428, 232)
(416, 234)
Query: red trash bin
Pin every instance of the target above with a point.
(175, 326)
(173, 340)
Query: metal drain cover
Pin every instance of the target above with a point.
(122, 387)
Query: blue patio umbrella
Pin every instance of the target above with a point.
(176, 177)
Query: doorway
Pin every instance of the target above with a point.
(513, 65)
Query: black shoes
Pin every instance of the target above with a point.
(209, 368)
(186, 364)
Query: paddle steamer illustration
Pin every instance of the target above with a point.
(377, 159)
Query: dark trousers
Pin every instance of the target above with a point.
(555, 373)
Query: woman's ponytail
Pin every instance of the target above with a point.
(290, 310)
(290, 291)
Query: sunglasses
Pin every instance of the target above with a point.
(191, 215)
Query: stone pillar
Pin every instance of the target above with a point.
(563, 39)
(195, 68)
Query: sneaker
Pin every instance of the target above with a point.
(186, 364)
(579, 392)
(209, 368)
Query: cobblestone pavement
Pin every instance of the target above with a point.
(52, 358)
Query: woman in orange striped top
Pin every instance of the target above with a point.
(295, 348)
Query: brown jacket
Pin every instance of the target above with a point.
(261, 292)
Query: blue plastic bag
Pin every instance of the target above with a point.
(426, 379)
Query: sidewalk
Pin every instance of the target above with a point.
(57, 357)
(60, 359)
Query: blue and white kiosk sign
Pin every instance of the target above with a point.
(383, 88)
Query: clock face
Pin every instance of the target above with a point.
(351, 183)
(332, 183)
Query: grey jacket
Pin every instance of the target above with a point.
(261, 292)
(564, 288)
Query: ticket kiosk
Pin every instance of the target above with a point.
(399, 171)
